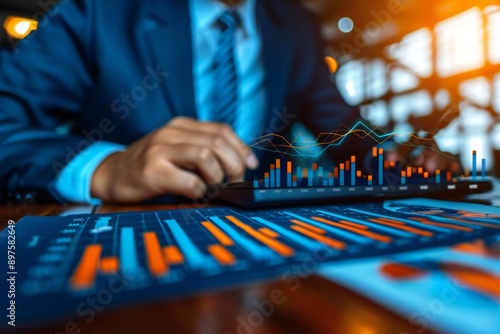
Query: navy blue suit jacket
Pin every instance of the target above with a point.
(116, 70)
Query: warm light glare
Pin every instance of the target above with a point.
(493, 15)
(19, 27)
(460, 41)
(333, 65)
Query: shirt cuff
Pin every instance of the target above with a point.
(74, 181)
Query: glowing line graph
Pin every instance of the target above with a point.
(360, 129)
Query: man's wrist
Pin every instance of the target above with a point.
(102, 179)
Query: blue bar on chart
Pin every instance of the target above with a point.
(194, 257)
(273, 177)
(128, 254)
(257, 251)
(330, 179)
(483, 168)
(380, 166)
(353, 170)
(304, 242)
(438, 176)
(341, 177)
(310, 177)
(474, 165)
(278, 173)
(289, 174)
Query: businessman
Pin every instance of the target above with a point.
(126, 100)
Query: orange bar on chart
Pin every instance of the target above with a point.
(403, 227)
(426, 175)
(474, 278)
(109, 265)
(349, 227)
(156, 264)
(408, 172)
(85, 273)
(173, 255)
(315, 167)
(218, 234)
(420, 171)
(374, 152)
(370, 177)
(268, 232)
(363, 227)
(450, 226)
(275, 245)
(358, 173)
(321, 238)
(289, 167)
(304, 173)
(308, 226)
(278, 163)
(336, 172)
(342, 166)
(353, 158)
(222, 255)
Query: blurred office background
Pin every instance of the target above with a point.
(422, 66)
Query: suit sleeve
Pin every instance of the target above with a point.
(323, 109)
(43, 84)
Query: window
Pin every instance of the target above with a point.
(460, 43)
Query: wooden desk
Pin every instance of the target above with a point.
(317, 306)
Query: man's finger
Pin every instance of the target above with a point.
(196, 158)
(229, 159)
(239, 146)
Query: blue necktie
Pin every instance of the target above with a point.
(225, 89)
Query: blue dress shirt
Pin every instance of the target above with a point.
(74, 182)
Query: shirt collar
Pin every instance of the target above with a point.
(204, 14)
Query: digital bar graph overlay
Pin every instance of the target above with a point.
(147, 255)
(348, 173)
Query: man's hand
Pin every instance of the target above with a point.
(180, 158)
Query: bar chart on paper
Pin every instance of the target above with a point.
(151, 255)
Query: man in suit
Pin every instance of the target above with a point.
(125, 100)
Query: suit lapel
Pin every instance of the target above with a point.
(277, 53)
(170, 39)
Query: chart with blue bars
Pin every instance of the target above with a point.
(283, 174)
(139, 256)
